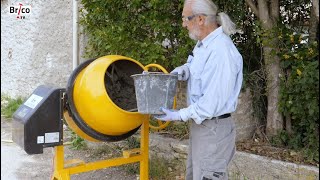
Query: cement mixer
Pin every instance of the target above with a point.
(98, 104)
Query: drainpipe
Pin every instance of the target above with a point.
(75, 45)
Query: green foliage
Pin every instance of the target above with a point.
(179, 130)
(296, 13)
(158, 169)
(256, 81)
(10, 105)
(102, 151)
(299, 77)
(77, 142)
(131, 168)
(140, 28)
(137, 29)
(300, 92)
(132, 142)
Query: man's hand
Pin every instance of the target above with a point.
(170, 115)
(182, 71)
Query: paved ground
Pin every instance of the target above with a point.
(17, 164)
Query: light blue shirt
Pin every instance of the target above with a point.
(215, 78)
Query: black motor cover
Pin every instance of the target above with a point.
(38, 122)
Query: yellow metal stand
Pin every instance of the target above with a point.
(63, 170)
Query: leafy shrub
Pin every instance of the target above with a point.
(147, 31)
(300, 93)
(77, 142)
(10, 105)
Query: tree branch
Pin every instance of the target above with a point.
(275, 9)
(253, 7)
(315, 7)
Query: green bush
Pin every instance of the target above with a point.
(10, 105)
(150, 31)
(300, 93)
(158, 168)
(136, 29)
(77, 142)
(132, 142)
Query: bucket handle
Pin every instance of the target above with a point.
(160, 123)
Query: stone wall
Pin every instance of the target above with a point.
(245, 122)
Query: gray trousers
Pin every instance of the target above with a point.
(211, 148)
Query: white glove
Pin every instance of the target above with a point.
(182, 71)
(170, 115)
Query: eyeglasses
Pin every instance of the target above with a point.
(189, 18)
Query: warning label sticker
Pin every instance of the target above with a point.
(33, 101)
(51, 137)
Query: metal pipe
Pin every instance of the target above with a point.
(75, 45)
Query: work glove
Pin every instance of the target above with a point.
(182, 72)
(170, 115)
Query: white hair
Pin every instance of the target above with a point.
(208, 8)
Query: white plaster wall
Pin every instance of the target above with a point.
(38, 49)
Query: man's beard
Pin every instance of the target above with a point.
(195, 35)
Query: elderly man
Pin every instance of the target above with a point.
(214, 75)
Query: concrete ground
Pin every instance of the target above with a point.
(16, 164)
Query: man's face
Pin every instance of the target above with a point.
(189, 21)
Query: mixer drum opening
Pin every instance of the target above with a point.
(120, 86)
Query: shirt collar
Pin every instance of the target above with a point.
(205, 42)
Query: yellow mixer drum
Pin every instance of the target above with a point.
(101, 102)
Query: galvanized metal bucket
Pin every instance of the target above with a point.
(154, 90)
